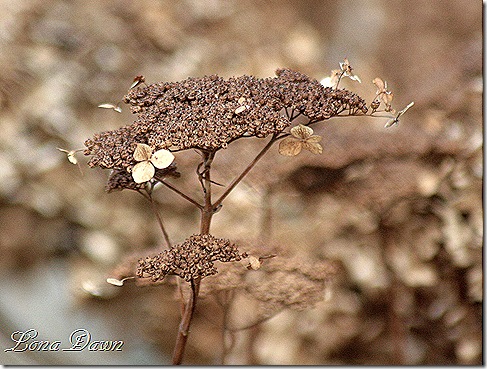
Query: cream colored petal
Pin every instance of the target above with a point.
(314, 138)
(379, 84)
(301, 131)
(314, 147)
(72, 159)
(391, 122)
(290, 147)
(354, 77)
(254, 263)
(117, 108)
(143, 172)
(387, 98)
(402, 111)
(142, 152)
(162, 158)
(115, 282)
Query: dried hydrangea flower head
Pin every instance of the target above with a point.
(193, 259)
(210, 112)
(277, 283)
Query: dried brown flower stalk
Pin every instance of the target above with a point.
(207, 114)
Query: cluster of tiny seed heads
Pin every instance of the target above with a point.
(192, 259)
(313, 100)
(210, 112)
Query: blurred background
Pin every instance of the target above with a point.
(399, 209)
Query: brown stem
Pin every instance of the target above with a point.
(207, 210)
(183, 331)
(206, 215)
(237, 180)
(183, 195)
(159, 220)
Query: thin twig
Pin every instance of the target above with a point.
(159, 220)
(183, 195)
(237, 180)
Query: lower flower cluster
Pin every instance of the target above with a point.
(192, 259)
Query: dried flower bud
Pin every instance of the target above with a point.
(137, 81)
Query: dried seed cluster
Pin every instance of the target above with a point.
(192, 259)
(313, 100)
(209, 112)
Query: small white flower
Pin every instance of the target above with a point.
(145, 170)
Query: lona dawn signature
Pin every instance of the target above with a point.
(79, 340)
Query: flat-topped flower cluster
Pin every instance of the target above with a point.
(210, 112)
(193, 259)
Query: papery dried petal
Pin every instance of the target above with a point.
(379, 83)
(137, 81)
(386, 98)
(162, 158)
(115, 282)
(395, 120)
(143, 172)
(347, 71)
(301, 131)
(290, 147)
(117, 108)
(314, 138)
(142, 152)
(314, 147)
(254, 263)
